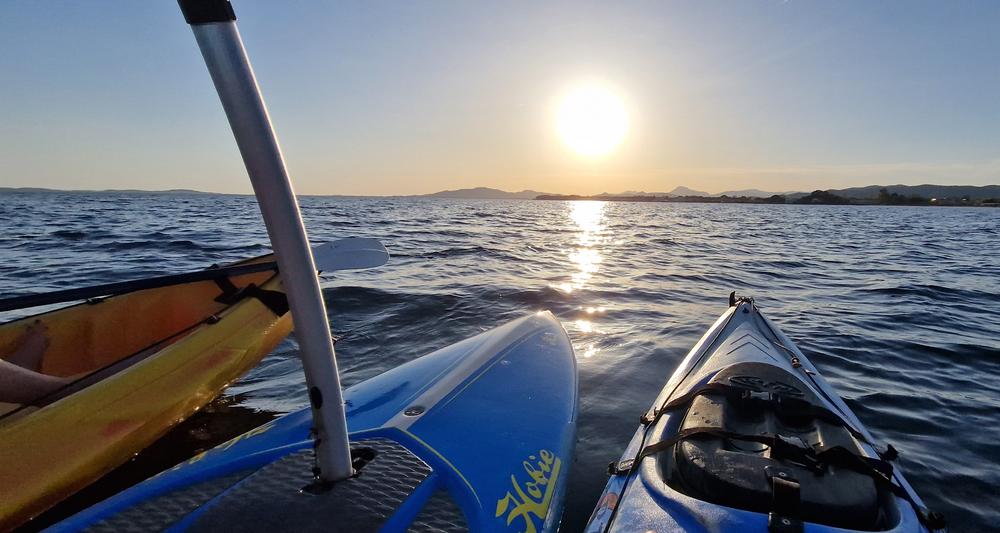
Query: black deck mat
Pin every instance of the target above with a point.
(272, 498)
(159, 513)
(440, 515)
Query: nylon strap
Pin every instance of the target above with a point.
(276, 301)
(785, 502)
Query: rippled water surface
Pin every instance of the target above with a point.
(897, 306)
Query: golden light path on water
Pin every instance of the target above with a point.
(586, 258)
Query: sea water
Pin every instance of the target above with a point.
(899, 307)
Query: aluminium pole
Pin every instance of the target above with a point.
(214, 26)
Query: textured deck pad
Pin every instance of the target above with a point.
(160, 513)
(272, 498)
(440, 515)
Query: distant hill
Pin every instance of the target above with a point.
(752, 193)
(684, 191)
(870, 192)
(27, 189)
(925, 191)
(168, 191)
(639, 193)
(484, 193)
(118, 191)
(822, 197)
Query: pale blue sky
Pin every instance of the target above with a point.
(413, 97)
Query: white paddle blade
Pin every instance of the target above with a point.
(350, 254)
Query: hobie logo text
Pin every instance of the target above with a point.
(531, 495)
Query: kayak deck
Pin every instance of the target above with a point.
(152, 358)
(748, 436)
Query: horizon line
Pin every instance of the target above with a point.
(546, 193)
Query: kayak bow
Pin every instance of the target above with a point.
(747, 436)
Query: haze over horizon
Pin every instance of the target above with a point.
(557, 97)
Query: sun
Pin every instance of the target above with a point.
(591, 120)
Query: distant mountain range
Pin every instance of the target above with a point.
(484, 193)
(123, 191)
(487, 193)
(860, 193)
(684, 191)
(925, 191)
(752, 193)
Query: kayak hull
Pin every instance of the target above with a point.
(492, 418)
(645, 491)
(199, 347)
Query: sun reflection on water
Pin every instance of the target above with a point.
(588, 216)
(585, 257)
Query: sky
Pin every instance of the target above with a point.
(382, 98)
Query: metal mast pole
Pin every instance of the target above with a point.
(214, 26)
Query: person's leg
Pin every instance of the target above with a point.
(33, 344)
(20, 385)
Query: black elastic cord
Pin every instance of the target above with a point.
(782, 446)
(779, 403)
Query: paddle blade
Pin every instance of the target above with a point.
(350, 253)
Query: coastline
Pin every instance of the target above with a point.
(774, 200)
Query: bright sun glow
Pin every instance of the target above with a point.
(592, 120)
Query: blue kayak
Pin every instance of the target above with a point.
(747, 436)
(475, 436)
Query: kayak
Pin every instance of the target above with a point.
(475, 436)
(143, 361)
(748, 436)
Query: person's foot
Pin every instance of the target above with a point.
(33, 344)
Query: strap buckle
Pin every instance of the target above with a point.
(618, 468)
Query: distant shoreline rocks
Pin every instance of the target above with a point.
(817, 197)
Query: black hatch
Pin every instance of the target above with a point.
(717, 466)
